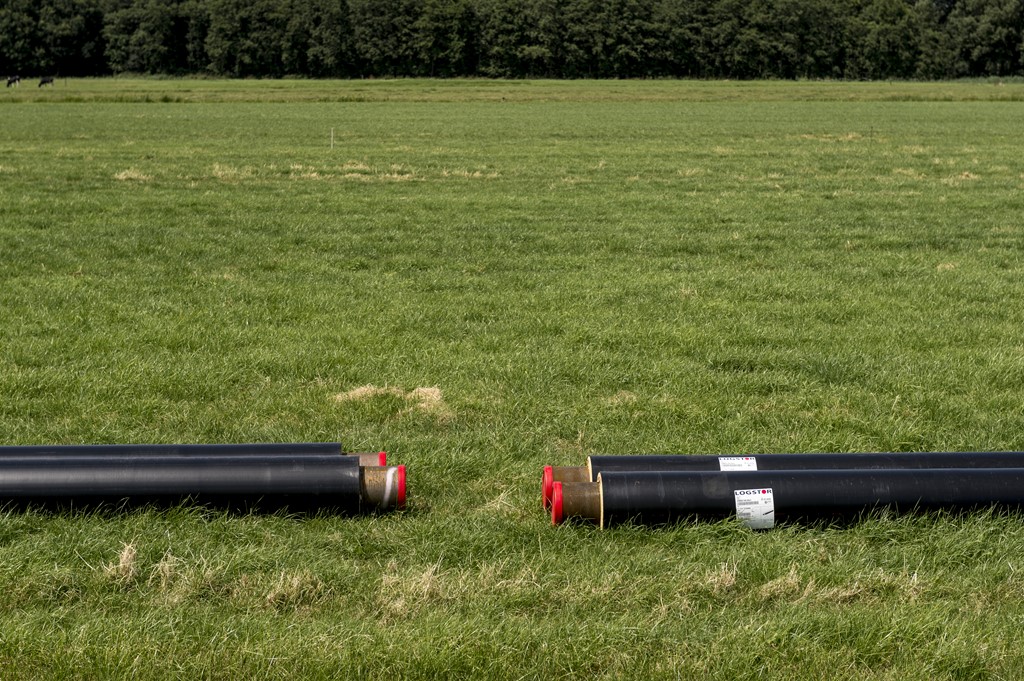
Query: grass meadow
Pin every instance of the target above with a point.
(483, 277)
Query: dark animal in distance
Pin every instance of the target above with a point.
(13, 80)
(46, 80)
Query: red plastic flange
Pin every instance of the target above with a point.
(400, 498)
(546, 481)
(382, 458)
(556, 504)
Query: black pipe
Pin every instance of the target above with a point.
(763, 498)
(301, 483)
(771, 462)
(249, 449)
(194, 450)
(793, 462)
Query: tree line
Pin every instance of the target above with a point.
(788, 39)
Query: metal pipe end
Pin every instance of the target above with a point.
(579, 500)
(383, 486)
(372, 458)
(553, 474)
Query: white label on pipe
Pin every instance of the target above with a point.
(756, 507)
(737, 463)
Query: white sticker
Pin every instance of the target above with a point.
(737, 463)
(756, 507)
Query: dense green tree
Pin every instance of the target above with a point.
(320, 38)
(70, 38)
(871, 39)
(985, 36)
(937, 56)
(611, 38)
(882, 40)
(444, 39)
(245, 37)
(151, 36)
(384, 36)
(518, 38)
(683, 24)
(20, 42)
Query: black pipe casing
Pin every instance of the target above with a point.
(653, 497)
(248, 449)
(298, 483)
(788, 462)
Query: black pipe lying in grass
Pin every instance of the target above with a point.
(778, 462)
(297, 482)
(763, 498)
(192, 450)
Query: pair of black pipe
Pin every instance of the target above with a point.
(299, 477)
(764, 489)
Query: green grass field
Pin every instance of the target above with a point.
(482, 278)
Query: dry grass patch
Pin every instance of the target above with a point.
(405, 591)
(228, 173)
(124, 568)
(842, 137)
(500, 505)
(470, 174)
(178, 580)
(423, 400)
(787, 587)
(302, 172)
(165, 572)
(620, 398)
(722, 580)
(568, 181)
(959, 179)
(380, 177)
(293, 590)
(132, 175)
(908, 172)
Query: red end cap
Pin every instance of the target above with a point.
(382, 459)
(400, 498)
(556, 504)
(546, 480)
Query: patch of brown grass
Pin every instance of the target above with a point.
(722, 580)
(424, 400)
(132, 175)
(959, 179)
(470, 175)
(293, 590)
(124, 568)
(620, 398)
(230, 173)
